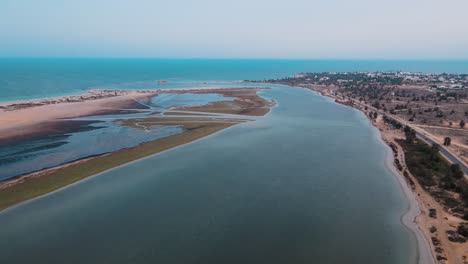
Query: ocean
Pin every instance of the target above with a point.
(23, 78)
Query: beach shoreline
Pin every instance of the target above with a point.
(36, 117)
(425, 253)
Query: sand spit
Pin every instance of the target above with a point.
(39, 117)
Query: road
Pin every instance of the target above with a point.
(452, 158)
(447, 154)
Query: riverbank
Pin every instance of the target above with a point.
(431, 232)
(196, 122)
(425, 252)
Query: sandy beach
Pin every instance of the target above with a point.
(421, 203)
(425, 249)
(23, 118)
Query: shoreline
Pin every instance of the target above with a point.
(97, 94)
(425, 252)
(30, 118)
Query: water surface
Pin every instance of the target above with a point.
(305, 184)
(23, 78)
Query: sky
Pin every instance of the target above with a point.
(293, 29)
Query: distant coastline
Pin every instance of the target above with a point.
(47, 77)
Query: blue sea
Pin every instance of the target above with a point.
(23, 78)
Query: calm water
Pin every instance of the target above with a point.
(33, 78)
(305, 184)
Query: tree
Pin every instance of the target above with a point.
(375, 115)
(410, 134)
(376, 105)
(463, 229)
(462, 124)
(447, 141)
(456, 171)
(434, 150)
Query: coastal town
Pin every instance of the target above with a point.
(421, 116)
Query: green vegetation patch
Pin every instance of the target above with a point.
(436, 175)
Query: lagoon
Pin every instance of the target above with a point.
(307, 183)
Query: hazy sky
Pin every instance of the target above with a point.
(392, 29)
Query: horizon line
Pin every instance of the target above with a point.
(235, 58)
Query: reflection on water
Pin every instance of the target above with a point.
(99, 138)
